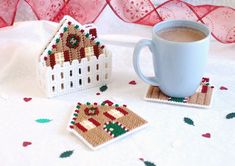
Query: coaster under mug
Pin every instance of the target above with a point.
(202, 98)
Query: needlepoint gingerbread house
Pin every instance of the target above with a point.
(98, 125)
(74, 59)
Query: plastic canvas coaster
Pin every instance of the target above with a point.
(98, 125)
(202, 98)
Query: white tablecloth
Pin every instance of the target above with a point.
(167, 141)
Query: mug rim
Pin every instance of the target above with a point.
(185, 23)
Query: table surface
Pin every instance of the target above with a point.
(167, 141)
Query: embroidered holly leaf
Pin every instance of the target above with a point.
(66, 154)
(147, 163)
(206, 135)
(133, 82)
(103, 88)
(223, 88)
(230, 115)
(27, 99)
(188, 121)
(43, 120)
(26, 143)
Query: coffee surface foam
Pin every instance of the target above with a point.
(181, 34)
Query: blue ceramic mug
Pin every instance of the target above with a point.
(178, 66)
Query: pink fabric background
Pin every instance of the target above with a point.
(218, 18)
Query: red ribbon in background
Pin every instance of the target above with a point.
(220, 19)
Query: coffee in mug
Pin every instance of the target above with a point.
(179, 53)
(181, 34)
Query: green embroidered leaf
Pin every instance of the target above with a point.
(66, 154)
(177, 99)
(103, 88)
(147, 163)
(43, 120)
(230, 115)
(189, 121)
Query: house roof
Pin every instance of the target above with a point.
(72, 41)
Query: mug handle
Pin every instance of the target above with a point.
(136, 57)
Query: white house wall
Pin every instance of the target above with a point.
(57, 81)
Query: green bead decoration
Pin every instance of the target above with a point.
(116, 105)
(57, 40)
(65, 29)
(75, 114)
(102, 104)
(177, 99)
(49, 52)
(87, 35)
(88, 103)
(97, 43)
(72, 122)
(76, 27)
(78, 107)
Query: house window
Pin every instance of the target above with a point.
(89, 80)
(71, 73)
(97, 66)
(79, 71)
(59, 58)
(62, 86)
(62, 75)
(88, 124)
(97, 77)
(52, 77)
(89, 51)
(80, 81)
(71, 84)
(88, 68)
(115, 113)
